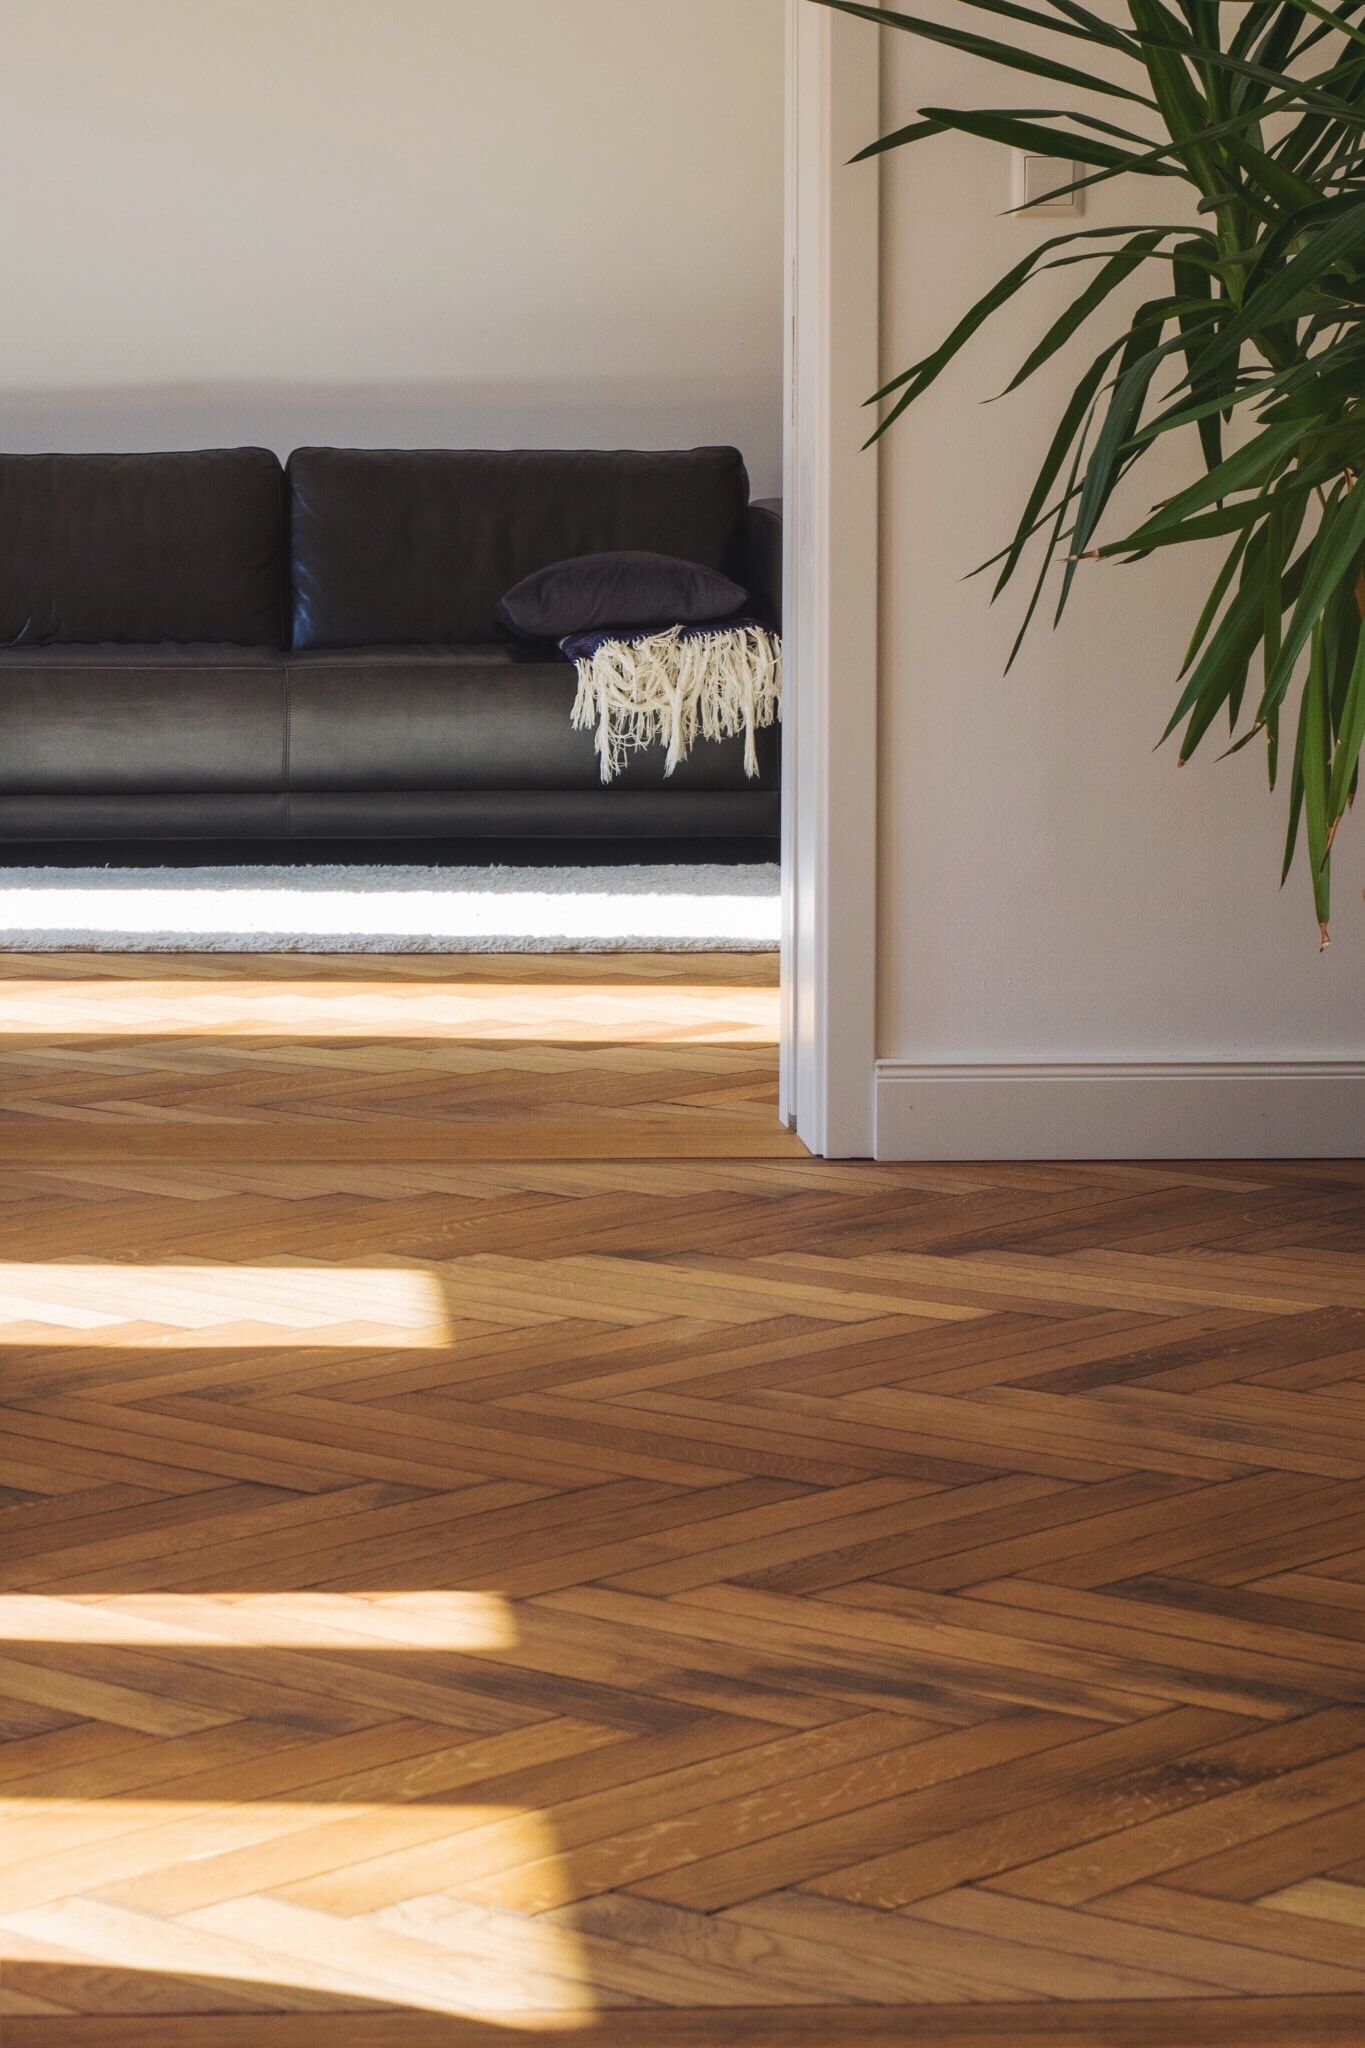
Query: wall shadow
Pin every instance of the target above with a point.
(728, 404)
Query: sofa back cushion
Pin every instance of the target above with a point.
(416, 546)
(100, 548)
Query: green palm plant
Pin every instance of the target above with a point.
(1251, 343)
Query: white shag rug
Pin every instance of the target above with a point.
(681, 909)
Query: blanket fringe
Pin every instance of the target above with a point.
(672, 687)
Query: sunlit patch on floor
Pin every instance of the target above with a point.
(348, 1621)
(177, 1864)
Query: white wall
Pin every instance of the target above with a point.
(1050, 890)
(392, 221)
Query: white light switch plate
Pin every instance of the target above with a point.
(1035, 175)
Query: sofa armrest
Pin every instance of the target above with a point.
(763, 560)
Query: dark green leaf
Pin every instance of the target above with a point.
(1350, 724)
(988, 51)
(1335, 552)
(1110, 275)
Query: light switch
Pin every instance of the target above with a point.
(1036, 175)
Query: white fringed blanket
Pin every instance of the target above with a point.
(667, 688)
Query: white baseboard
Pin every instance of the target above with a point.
(1122, 1109)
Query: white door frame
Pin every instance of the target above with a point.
(829, 783)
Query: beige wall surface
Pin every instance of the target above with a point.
(411, 222)
(1050, 888)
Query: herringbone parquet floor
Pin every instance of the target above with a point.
(498, 1545)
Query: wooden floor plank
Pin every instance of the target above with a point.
(497, 1545)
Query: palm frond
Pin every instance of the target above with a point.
(1259, 340)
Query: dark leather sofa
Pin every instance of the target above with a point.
(211, 646)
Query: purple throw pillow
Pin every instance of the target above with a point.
(627, 588)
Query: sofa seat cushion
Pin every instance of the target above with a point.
(467, 718)
(126, 719)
